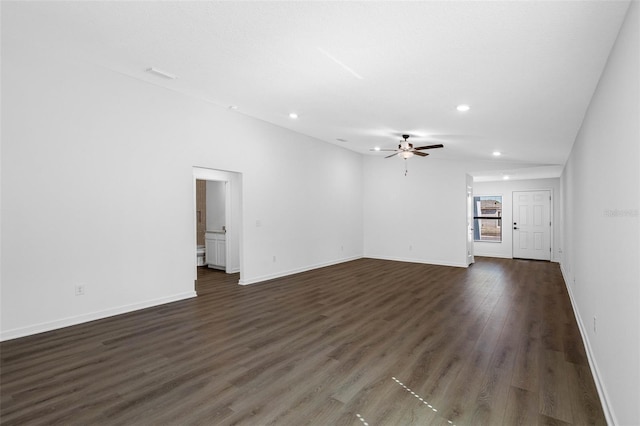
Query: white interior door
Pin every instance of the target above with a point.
(532, 225)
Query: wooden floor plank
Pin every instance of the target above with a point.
(586, 407)
(368, 340)
(522, 408)
(554, 397)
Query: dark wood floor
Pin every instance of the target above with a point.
(366, 342)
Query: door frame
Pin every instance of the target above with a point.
(470, 222)
(233, 216)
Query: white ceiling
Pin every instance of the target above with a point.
(364, 72)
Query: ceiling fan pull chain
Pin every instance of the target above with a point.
(405, 167)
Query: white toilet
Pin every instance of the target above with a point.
(200, 256)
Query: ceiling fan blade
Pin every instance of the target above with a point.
(421, 154)
(395, 150)
(392, 155)
(430, 146)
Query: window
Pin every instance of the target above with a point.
(487, 218)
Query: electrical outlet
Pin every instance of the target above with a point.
(410, 247)
(80, 290)
(595, 330)
(274, 259)
(341, 248)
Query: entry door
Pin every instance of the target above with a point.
(532, 225)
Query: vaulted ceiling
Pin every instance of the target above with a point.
(360, 74)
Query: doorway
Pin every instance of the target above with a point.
(222, 217)
(532, 225)
(215, 234)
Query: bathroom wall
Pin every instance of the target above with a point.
(215, 205)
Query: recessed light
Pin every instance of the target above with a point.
(293, 115)
(377, 148)
(233, 107)
(497, 153)
(505, 177)
(161, 73)
(463, 108)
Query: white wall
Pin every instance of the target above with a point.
(110, 159)
(505, 189)
(215, 205)
(601, 232)
(420, 217)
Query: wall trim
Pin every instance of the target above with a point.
(92, 316)
(424, 261)
(497, 256)
(500, 256)
(268, 277)
(595, 372)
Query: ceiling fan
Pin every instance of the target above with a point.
(406, 150)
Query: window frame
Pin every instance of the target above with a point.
(477, 225)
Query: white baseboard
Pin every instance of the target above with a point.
(268, 277)
(507, 256)
(498, 256)
(602, 391)
(92, 316)
(410, 260)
